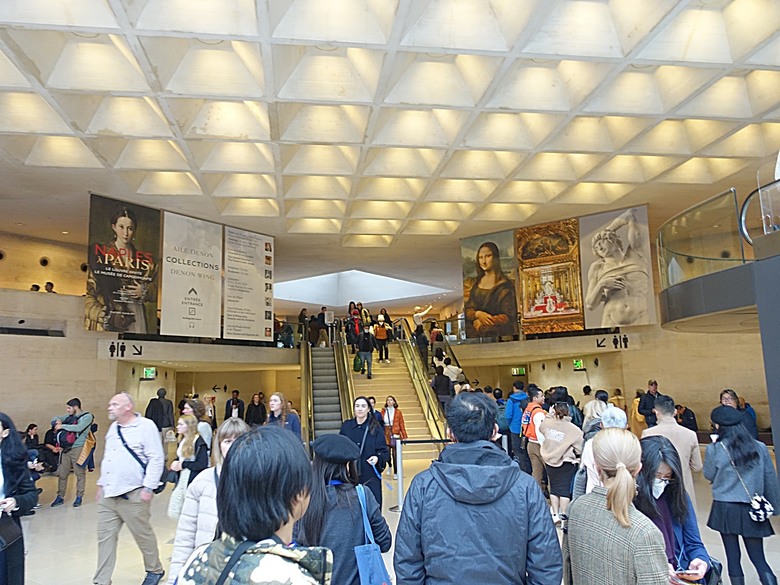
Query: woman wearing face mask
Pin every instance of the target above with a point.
(661, 496)
(281, 416)
(198, 520)
(17, 497)
(365, 431)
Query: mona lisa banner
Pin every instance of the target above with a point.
(616, 268)
(122, 267)
(489, 290)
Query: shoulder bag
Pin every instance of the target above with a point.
(371, 566)
(161, 486)
(760, 508)
(176, 503)
(10, 531)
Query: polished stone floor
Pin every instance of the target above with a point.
(62, 543)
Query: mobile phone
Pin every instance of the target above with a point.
(686, 572)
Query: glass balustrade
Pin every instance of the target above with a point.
(701, 240)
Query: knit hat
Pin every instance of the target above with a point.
(381, 318)
(335, 448)
(725, 416)
(613, 418)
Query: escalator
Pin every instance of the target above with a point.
(326, 403)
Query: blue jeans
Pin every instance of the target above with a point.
(366, 357)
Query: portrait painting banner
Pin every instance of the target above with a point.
(249, 265)
(122, 267)
(489, 289)
(548, 264)
(617, 273)
(191, 299)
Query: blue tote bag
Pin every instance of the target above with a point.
(371, 566)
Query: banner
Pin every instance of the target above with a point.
(123, 260)
(616, 269)
(549, 272)
(191, 297)
(489, 298)
(249, 263)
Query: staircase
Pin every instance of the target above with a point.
(325, 389)
(393, 379)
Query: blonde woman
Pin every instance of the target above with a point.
(608, 541)
(636, 421)
(198, 409)
(198, 520)
(280, 414)
(192, 452)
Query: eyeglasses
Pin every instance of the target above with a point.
(666, 480)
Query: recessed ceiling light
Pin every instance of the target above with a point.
(64, 232)
(18, 223)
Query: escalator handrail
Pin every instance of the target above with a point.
(743, 212)
(343, 371)
(418, 371)
(448, 351)
(307, 393)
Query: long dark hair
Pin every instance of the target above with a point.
(373, 423)
(324, 472)
(740, 444)
(657, 450)
(13, 455)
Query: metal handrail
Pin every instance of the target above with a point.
(743, 212)
(343, 371)
(307, 395)
(419, 374)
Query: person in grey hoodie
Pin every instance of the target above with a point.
(457, 513)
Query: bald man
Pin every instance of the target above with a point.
(132, 465)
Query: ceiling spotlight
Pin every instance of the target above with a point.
(64, 232)
(19, 223)
(211, 42)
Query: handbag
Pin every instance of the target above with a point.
(760, 508)
(357, 363)
(176, 503)
(371, 566)
(10, 531)
(714, 575)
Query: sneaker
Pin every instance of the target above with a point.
(387, 361)
(369, 376)
(556, 519)
(58, 501)
(362, 371)
(153, 578)
(37, 506)
(395, 476)
(77, 502)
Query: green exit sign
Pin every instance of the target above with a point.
(579, 364)
(518, 371)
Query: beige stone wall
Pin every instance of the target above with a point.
(21, 265)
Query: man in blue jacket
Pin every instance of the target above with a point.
(515, 405)
(457, 514)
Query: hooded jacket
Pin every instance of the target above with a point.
(515, 405)
(456, 517)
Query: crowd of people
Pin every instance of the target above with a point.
(578, 496)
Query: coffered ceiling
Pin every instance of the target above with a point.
(372, 134)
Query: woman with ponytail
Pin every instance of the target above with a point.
(607, 541)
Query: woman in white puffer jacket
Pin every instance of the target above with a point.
(198, 520)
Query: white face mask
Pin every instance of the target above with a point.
(659, 485)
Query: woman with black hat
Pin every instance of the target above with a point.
(365, 431)
(738, 467)
(334, 518)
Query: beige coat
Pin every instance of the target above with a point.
(562, 441)
(686, 443)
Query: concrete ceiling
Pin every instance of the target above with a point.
(373, 134)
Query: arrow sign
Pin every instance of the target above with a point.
(192, 291)
(214, 388)
(138, 349)
(601, 342)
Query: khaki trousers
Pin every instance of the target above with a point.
(537, 464)
(135, 513)
(68, 462)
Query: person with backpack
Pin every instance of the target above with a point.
(366, 343)
(515, 406)
(71, 435)
(383, 333)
